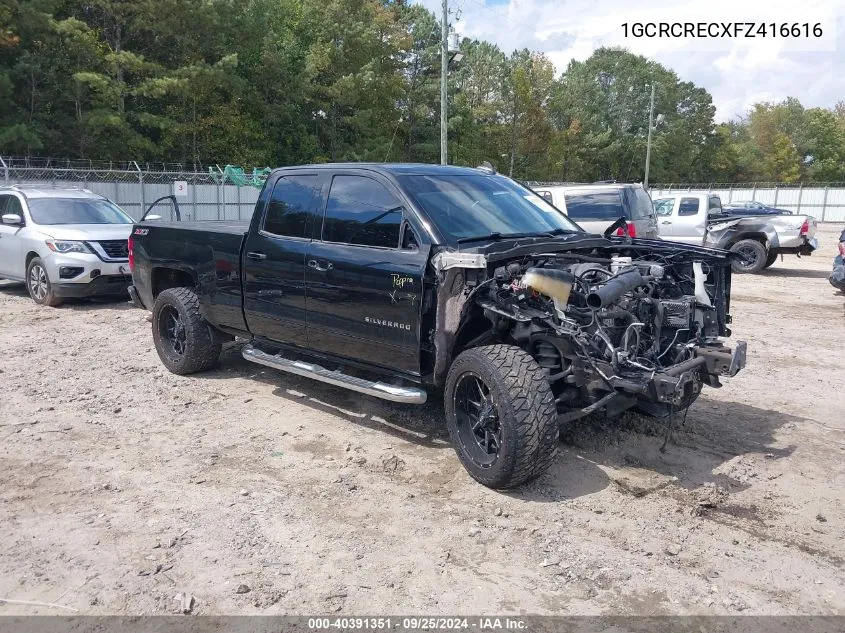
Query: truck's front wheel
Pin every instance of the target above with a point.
(501, 415)
(183, 339)
(771, 259)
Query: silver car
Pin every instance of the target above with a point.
(63, 243)
(595, 207)
(698, 218)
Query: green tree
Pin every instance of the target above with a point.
(477, 110)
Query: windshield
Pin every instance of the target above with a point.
(76, 211)
(476, 205)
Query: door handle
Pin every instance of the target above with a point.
(256, 255)
(313, 263)
(666, 222)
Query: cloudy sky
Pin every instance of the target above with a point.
(738, 72)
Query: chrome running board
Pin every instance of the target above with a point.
(406, 395)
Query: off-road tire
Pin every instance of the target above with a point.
(771, 259)
(49, 298)
(526, 408)
(202, 349)
(759, 253)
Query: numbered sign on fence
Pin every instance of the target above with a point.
(180, 188)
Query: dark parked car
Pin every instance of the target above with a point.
(398, 280)
(837, 277)
(752, 207)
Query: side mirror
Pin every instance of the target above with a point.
(12, 219)
(153, 217)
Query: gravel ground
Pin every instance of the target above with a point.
(258, 492)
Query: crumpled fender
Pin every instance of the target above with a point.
(726, 234)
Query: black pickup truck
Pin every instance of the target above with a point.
(402, 280)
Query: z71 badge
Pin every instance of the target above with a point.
(141, 231)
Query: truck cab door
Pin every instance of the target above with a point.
(689, 220)
(273, 259)
(664, 210)
(364, 275)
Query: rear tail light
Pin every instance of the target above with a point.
(842, 248)
(632, 230)
(131, 246)
(805, 228)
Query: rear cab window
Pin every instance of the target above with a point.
(293, 200)
(363, 212)
(596, 204)
(715, 204)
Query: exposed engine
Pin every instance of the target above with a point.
(616, 331)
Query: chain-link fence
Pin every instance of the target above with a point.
(203, 192)
(215, 193)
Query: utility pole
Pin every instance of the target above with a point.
(648, 142)
(444, 72)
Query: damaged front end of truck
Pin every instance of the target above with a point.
(614, 323)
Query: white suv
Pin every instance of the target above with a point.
(63, 243)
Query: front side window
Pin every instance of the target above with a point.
(76, 211)
(688, 206)
(362, 211)
(292, 200)
(664, 206)
(13, 205)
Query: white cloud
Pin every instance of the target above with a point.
(738, 72)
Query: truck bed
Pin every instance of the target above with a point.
(208, 254)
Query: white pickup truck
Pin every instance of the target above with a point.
(698, 218)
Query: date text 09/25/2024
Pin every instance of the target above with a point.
(480, 623)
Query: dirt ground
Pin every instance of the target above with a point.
(259, 492)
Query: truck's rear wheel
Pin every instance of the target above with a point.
(753, 254)
(183, 339)
(501, 415)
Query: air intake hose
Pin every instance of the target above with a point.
(613, 290)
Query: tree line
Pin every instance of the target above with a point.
(280, 82)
